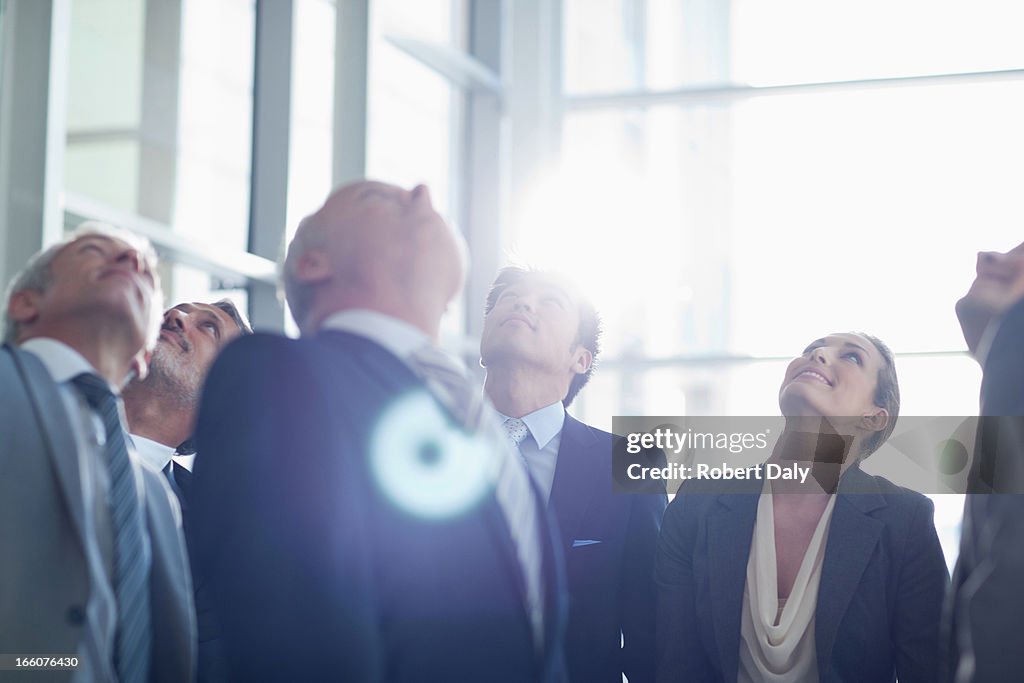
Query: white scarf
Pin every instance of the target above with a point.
(782, 652)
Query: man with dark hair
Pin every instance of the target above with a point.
(363, 518)
(161, 409)
(539, 343)
(985, 609)
(94, 564)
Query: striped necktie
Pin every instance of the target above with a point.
(513, 490)
(131, 561)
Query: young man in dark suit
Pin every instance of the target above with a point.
(539, 344)
(95, 565)
(362, 519)
(985, 609)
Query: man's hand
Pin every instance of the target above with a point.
(999, 285)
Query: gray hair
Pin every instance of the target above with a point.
(231, 310)
(36, 275)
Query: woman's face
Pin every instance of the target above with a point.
(835, 377)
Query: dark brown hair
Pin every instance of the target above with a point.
(589, 332)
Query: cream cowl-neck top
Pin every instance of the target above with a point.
(777, 636)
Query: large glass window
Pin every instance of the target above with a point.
(416, 115)
(619, 45)
(721, 228)
(160, 120)
(312, 122)
(3, 7)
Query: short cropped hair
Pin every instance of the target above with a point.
(36, 274)
(588, 334)
(887, 395)
(229, 308)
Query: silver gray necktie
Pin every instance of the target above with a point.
(513, 489)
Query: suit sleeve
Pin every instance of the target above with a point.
(639, 597)
(1002, 387)
(680, 657)
(277, 524)
(921, 587)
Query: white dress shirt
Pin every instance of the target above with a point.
(540, 448)
(96, 650)
(157, 455)
(397, 336)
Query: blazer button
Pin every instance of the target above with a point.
(76, 615)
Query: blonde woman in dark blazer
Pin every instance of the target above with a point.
(842, 581)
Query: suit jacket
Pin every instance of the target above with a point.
(43, 573)
(879, 602)
(609, 540)
(210, 666)
(985, 608)
(316, 568)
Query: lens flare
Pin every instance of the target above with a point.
(425, 463)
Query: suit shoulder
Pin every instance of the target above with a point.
(694, 498)
(9, 357)
(260, 343)
(590, 431)
(890, 489)
(259, 358)
(904, 507)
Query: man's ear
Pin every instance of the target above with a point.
(313, 265)
(875, 421)
(140, 366)
(23, 308)
(582, 360)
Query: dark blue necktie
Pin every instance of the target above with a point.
(131, 565)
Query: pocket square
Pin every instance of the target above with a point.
(579, 543)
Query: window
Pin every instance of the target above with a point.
(739, 178)
(160, 122)
(416, 114)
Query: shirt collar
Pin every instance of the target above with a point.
(544, 423)
(397, 336)
(60, 360)
(154, 454)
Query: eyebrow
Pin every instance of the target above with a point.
(856, 346)
(92, 239)
(850, 344)
(108, 241)
(543, 287)
(198, 310)
(814, 344)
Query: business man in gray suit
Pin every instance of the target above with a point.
(94, 564)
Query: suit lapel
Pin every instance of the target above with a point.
(852, 537)
(577, 477)
(395, 377)
(730, 529)
(55, 429)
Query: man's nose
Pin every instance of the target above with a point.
(132, 257)
(175, 318)
(421, 195)
(525, 302)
